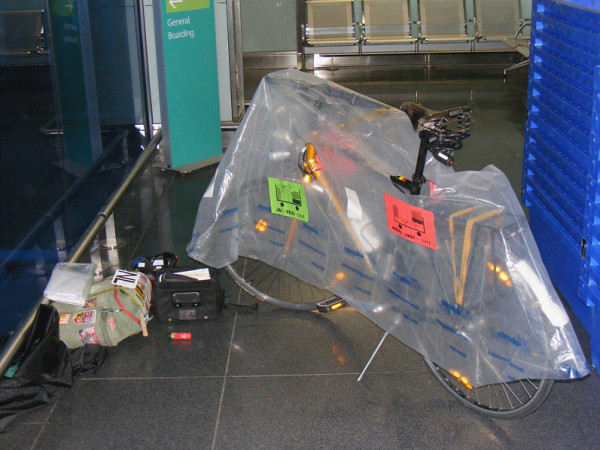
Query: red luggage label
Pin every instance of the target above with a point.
(410, 222)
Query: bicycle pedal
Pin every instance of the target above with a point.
(331, 304)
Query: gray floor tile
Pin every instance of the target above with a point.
(385, 411)
(159, 356)
(20, 436)
(158, 413)
(165, 235)
(36, 417)
(284, 342)
(568, 419)
(22, 431)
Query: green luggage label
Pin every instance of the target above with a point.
(288, 199)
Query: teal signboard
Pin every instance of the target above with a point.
(189, 83)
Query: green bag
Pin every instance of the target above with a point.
(111, 314)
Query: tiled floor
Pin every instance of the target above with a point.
(281, 379)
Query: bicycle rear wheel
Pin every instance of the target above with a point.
(510, 400)
(275, 286)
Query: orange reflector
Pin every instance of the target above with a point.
(463, 380)
(261, 225)
(340, 276)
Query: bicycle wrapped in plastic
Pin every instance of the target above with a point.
(312, 199)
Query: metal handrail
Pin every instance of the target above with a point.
(114, 199)
(57, 209)
(12, 346)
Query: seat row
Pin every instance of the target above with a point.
(21, 32)
(437, 24)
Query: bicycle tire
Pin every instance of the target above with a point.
(275, 286)
(510, 400)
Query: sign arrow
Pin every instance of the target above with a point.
(172, 3)
(69, 6)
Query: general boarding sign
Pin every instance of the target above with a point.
(188, 81)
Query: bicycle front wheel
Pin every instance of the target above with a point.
(275, 286)
(510, 400)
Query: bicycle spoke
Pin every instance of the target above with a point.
(275, 276)
(248, 275)
(300, 290)
(506, 400)
(532, 383)
(315, 292)
(504, 387)
(275, 286)
(525, 388)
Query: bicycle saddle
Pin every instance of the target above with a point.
(443, 131)
(440, 132)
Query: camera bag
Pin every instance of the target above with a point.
(185, 293)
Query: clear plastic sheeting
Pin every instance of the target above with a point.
(454, 274)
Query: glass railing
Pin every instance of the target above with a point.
(99, 243)
(72, 120)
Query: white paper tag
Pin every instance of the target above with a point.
(196, 274)
(353, 209)
(159, 262)
(126, 279)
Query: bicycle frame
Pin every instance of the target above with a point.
(431, 285)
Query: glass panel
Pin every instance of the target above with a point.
(70, 111)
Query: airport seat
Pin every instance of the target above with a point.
(443, 21)
(387, 22)
(520, 43)
(21, 32)
(496, 20)
(330, 22)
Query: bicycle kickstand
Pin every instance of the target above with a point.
(362, 374)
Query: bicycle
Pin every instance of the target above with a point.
(267, 275)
